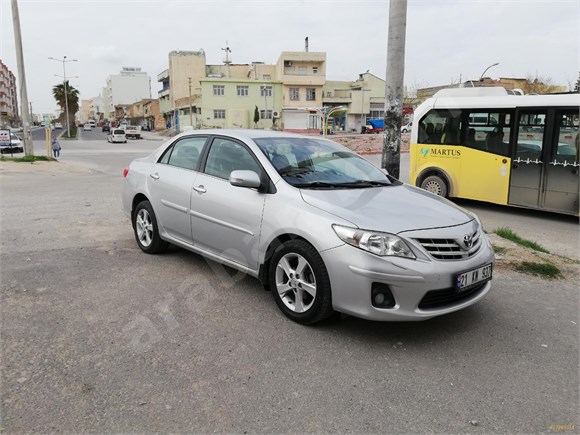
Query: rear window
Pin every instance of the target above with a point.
(119, 132)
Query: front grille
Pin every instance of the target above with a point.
(448, 296)
(451, 249)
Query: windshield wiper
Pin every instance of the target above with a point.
(291, 171)
(349, 185)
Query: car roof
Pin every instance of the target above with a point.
(246, 133)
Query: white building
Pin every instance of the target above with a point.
(130, 85)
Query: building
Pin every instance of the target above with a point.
(130, 85)
(287, 94)
(363, 99)
(8, 97)
(84, 112)
(146, 114)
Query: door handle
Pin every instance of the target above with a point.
(199, 189)
(155, 176)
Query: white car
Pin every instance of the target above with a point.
(117, 135)
(407, 127)
(15, 146)
(87, 127)
(58, 126)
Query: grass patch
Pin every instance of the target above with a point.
(26, 159)
(499, 249)
(546, 270)
(73, 134)
(507, 233)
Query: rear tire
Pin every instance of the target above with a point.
(299, 282)
(435, 184)
(146, 229)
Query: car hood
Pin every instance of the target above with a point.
(391, 209)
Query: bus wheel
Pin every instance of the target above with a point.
(436, 185)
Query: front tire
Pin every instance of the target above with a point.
(435, 184)
(146, 229)
(300, 283)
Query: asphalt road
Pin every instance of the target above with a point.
(99, 337)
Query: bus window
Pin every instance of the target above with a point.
(489, 131)
(530, 136)
(568, 136)
(440, 127)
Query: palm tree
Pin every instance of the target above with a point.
(72, 95)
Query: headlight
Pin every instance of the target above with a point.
(382, 244)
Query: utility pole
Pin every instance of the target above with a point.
(27, 137)
(190, 114)
(391, 160)
(31, 114)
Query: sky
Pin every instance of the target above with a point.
(445, 40)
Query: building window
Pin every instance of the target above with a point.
(242, 91)
(265, 114)
(314, 70)
(310, 94)
(219, 114)
(302, 70)
(218, 90)
(267, 77)
(294, 94)
(266, 91)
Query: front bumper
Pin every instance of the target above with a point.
(353, 271)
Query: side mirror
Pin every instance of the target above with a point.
(245, 179)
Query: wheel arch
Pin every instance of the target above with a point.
(139, 197)
(438, 172)
(263, 272)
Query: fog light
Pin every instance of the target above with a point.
(381, 296)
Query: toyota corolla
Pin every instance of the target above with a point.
(317, 224)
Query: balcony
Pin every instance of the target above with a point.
(163, 76)
(163, 93)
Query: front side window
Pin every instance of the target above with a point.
(315, 163)
(265, 114)
(266, 91)
(440, 127)
(185, 153)
(218, 89)
(219, 114)
(489, 131)
(242, 91)
(310, 94)
(294, 94)
(226, 156)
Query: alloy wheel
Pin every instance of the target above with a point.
(295, 282)
(144, 227)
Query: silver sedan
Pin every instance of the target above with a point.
(320, 226)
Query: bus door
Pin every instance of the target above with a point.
(528, 158)
(561, 184)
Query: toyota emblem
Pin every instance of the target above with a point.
(467, 241)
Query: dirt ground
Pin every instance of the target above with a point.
(368, 143)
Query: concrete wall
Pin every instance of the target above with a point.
(182, 66)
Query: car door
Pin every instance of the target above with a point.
(170, 182)
(225, 219)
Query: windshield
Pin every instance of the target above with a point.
(315, 163)
(119, 132)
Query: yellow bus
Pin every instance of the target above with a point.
(487, 145)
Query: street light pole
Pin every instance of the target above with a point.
(65, 84)
(485, 70)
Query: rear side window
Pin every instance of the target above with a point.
(440, 127)
(185, 153)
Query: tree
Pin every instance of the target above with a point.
(539, 85)
(256, 116)
(72, 96)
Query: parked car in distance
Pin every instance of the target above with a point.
(87, 127)
(15, 146)
(407, 127)
(57, 126)
(319, 225)
(105, 127)
(117, 135)
(133, 131)
(92, 123)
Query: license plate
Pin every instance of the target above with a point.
(470, 278)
